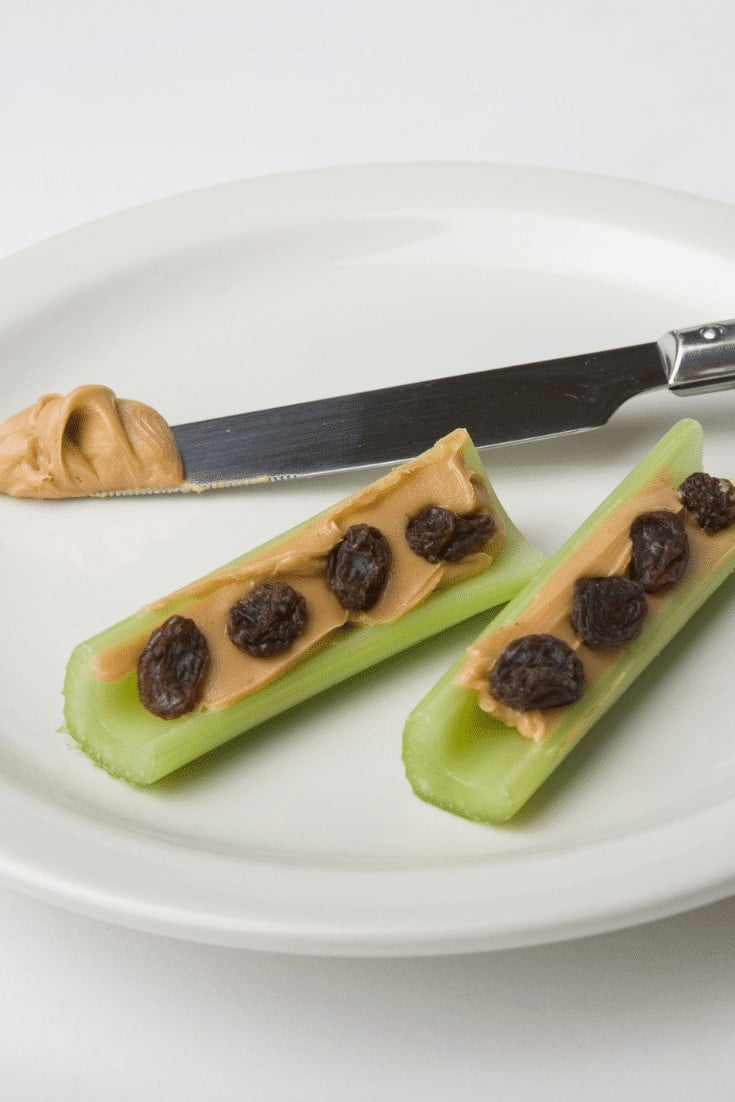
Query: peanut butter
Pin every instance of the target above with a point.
(606, 551)
(299, 560)
(86, 442)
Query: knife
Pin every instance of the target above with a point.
(498, 406)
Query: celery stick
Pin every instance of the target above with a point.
(111, 726)
(466, 761)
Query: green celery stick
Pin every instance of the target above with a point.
(112, 727)
(466, 761)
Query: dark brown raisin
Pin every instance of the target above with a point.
(439, 534)
(357, 567)
(711, 500)
(537, 671)
(608, 612)
(660, 550)
(172, 667)
(268, 620)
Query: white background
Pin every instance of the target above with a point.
(104, 106)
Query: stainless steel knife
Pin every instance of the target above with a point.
(499, 406)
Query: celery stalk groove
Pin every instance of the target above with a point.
(109, 723)
(466, 761)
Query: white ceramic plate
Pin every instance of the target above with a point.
(305, 836)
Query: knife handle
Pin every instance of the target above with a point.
(699, 359)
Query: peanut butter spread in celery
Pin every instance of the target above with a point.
(86, 442)
(606, 551)
(439, 477)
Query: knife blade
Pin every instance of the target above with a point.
(496, 406)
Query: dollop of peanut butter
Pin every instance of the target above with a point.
(86, 442)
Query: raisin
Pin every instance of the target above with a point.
(660, 550)
(357, 567)
(172, 667)
(608, 612)
(537, 671)
(268, 620)
(711, 500)
(437, 533)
